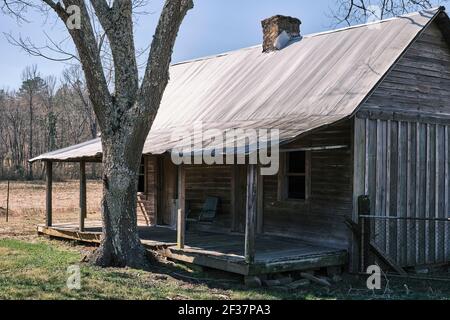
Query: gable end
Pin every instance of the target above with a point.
(418, 85)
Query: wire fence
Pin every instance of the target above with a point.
(409, 241)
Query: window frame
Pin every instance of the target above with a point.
(283, 177)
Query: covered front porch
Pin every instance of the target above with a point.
(294, 220)
(218, 250)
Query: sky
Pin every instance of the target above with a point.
(212, 27)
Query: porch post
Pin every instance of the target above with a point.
(250, 215)
(181, 228)
(49, 184)
(234, 210)
(260, 204)
(82, 194)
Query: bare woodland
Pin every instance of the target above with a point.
(46, 113)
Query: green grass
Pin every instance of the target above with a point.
(38, 270)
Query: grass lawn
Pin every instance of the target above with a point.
(37, 269)
(32, 267)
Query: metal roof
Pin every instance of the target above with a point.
(315, 81)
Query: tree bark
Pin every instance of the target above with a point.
(120, 245)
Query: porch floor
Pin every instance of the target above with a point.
(218, 250)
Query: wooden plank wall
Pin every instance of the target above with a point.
(321, 219)
(215, 180)
(401, 152)
(404, 168)
(420, 81)
(169, 191)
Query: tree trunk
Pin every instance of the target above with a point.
(30, 141)
(51, 119)
(126, 116)
(120, 245)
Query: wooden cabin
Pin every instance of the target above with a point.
(363, 115)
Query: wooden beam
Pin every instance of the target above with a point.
(49, 185)
(281, 186)
(201, 258)
(364, 223)
(385, 113)
(234, 211)
(359, 173)
(181, 219)
(260, 204)
(159, 190)
(319, 148)
(385, 258)
(251, 211)
(83, 208)
(307, 262)
(71, 234)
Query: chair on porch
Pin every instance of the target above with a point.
(208, 212)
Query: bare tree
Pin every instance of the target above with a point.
(73, 77)
(48, 97)
(360, 11)
(32, 84)
(125, 115)
(3, 131)
(14, 132)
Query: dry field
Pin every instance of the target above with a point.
(27, 205)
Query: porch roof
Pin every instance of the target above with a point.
(315, 81)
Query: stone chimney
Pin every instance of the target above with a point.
(278, 31)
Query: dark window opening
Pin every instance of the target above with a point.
(296, 188)
(296, 175)
(141, 178)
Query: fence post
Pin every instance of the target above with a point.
(7, 203)
(364, 223)
(83, 207)
(49, 191)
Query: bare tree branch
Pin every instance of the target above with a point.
(359, 11)
(89, 56)
(156, 73)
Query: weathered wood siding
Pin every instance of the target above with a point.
(404, 167)
(419, 83)
(147, 202)
(321, 218)
(203, 181)
(167, 208)
(401, 153)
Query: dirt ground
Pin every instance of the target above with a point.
(27, 205)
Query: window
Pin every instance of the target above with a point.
(141, 177)
(295, 176)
